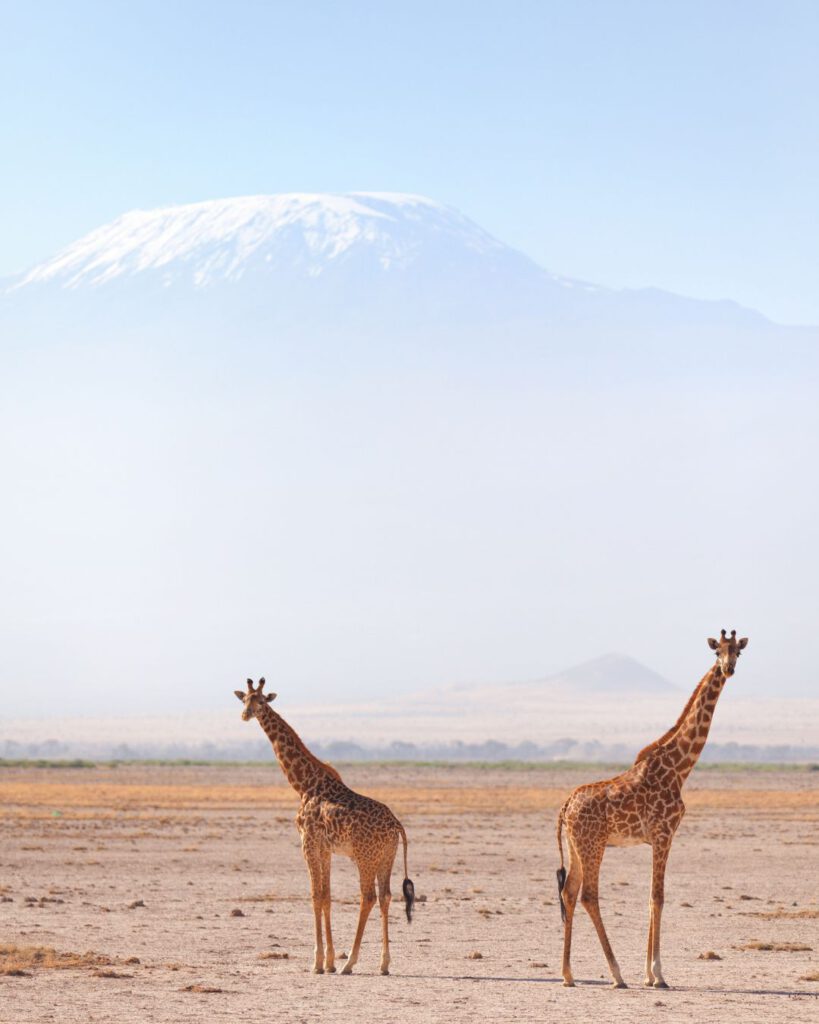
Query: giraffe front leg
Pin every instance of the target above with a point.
(660, 851)
(330, 955)
(656, 966)
(318, 961)
(650, 946)
(326, 903)
(312, 856)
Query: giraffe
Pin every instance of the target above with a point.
(334, 819)
(642, 805)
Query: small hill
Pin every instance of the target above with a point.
(610, 674)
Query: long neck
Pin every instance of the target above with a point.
(688, 734)
(304, 771)
(689, 739)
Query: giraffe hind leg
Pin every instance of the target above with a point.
(569, 886)
(591, 901)
(367, 878)
(384, 899)
(569, 891)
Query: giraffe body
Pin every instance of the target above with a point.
(641, 805)
(332, 818)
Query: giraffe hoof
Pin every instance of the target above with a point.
(347, 968)
(568, 982)
(619, 984)
(318, 970)
(648, 982)
(385, 970)
(659, 983)
(331, 970)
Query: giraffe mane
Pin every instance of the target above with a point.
(644, 753)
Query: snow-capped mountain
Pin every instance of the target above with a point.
(204, 243)
(366, 253)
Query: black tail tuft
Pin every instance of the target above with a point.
(561, 881)
(409, 898)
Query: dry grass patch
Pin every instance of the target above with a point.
(709, 954)
(812, 976)
(17, 961)
(201, 988)
(809, 914)
(275, 956)
(777, 947)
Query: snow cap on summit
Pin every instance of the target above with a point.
(221, 238)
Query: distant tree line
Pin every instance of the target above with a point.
(346, 750)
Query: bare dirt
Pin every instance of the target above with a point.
(173, 894)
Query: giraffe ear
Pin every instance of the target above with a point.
(270, 697)
(743, 643)
(712, 643)
(239, 694)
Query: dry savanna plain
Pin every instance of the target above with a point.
(173, 893)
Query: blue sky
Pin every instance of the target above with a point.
(630, 143)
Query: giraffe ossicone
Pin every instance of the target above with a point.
(642, 805)
(332, 818)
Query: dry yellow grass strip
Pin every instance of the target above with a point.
(130, 796)
(17, 797)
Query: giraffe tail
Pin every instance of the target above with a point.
(561, 871)
(407, 888)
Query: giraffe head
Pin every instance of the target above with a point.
(253, 699)
(728, 649)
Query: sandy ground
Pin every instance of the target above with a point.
(79, 848)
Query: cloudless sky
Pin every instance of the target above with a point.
(671, 144)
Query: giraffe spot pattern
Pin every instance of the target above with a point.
(641, 805)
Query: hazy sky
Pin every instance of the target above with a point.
(177, 515)
(671, 144)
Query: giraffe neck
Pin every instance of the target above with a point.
(691, 733)
(304, 771)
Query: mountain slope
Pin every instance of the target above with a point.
(403, 257)
(226, 239)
